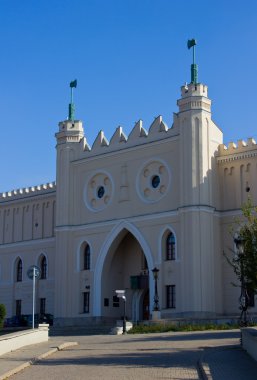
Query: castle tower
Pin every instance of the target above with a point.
(69, 135)
(199, 140)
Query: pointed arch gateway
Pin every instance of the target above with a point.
(121, 257)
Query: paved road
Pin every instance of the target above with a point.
(152, 356)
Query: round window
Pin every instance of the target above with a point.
(155, 181)
(100, 192)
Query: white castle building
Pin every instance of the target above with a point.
(160, 198)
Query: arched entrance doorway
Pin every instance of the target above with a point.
(125, 267)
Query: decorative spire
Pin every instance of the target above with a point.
(194, 66)
(71, 116)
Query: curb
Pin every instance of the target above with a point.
(37, 359)
(202, 364)
(204, 370)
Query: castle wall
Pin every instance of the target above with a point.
(11, 290)
(27, 217)
(237, 164)
(27, 223)
(133, 165)
(237, 167)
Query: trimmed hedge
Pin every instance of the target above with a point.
(158, 328)
(2, 314)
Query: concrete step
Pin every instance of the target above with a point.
(91, 329)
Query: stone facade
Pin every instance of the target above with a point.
(161, 198)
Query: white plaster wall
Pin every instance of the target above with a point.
(11, 342)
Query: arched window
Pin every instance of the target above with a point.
(170, 247)
(19, 271)
(86, 265)
(43, 268)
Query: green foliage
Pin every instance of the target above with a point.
(245, 264)
(2, 314)
(159, 328)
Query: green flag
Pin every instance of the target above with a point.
(73, 83)
(191, 43)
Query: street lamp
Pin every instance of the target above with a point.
(244, 298)
(156, 297)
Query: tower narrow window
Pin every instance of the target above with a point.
(86, 258)
(42, 306)
(171, 296)
(19, 271)
(18, 308)
(43, 267)
(86, 300)
(170, 247)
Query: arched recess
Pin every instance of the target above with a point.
(162, 243)
(80, 255)
(18, 270)
(196, 157)
(42, 263)
(112, 241)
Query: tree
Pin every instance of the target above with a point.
(2, 314)
(244, 262)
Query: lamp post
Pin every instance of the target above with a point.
(156, 297)
(33, 273)
(244, 298)
(121, 294)
(124, 316)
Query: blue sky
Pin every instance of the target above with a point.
(130, 59)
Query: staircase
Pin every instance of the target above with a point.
(93, 328)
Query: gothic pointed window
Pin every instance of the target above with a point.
(86, 265)
(43, 268)
(170, 247)
(19, 271)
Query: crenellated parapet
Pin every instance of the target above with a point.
(28, 191)
(119, 140)
(194, 97)
(237, 151)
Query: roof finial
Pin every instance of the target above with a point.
(71, 116)
(194, 67)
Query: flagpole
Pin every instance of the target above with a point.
(71, 95)
(33, 302)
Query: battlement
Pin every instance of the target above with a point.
(138, 135)
(194, 97)
(237, 151)
(28, 191)
(192, 89)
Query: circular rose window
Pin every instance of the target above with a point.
(153, 181)
(98, 191)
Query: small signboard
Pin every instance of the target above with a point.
(33, 271)
(120, 293)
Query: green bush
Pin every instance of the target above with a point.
(158, 328)
(2, 314)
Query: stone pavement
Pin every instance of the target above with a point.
(15, 361)
(197, 355)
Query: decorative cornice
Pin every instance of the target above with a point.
(41, 243)
(237, 156)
